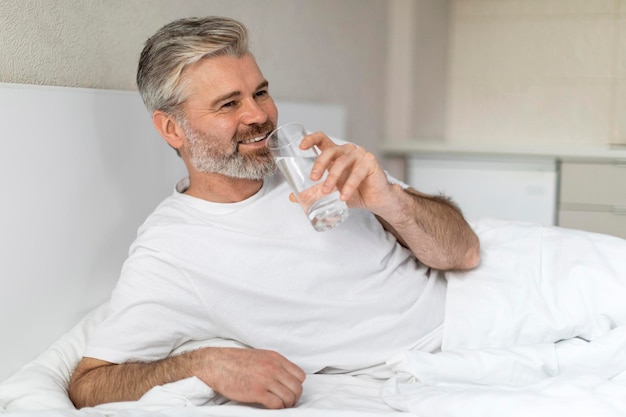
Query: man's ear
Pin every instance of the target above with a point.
(169, 129)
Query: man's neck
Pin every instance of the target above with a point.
(221, 189)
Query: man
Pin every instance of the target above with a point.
(228, 257)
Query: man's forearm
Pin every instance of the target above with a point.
(434, 229)
(125, 382)
(246, 375)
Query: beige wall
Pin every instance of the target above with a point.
(532, 71)
(537, 71)
(316, 50)
(417, 69)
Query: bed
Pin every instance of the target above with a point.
(538, 329)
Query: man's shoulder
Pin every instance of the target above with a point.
(169, 215)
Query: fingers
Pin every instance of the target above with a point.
(282, 389)
(294, 370)
(347, 166)
(355, 172)
(348, 170)
(283, 394)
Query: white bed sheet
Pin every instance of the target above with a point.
(538, 329)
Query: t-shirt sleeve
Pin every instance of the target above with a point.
(153, 310)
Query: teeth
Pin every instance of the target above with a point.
(257, 139)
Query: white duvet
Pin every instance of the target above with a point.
(539, 329)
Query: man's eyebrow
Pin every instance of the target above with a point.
(225, 97)
(234, 94)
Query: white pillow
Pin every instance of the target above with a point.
(42, 384)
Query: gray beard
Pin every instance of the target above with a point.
(205, 157)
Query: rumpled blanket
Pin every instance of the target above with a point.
(539, 328)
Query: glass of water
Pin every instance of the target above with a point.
(325, 211)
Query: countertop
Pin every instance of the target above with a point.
(563, 152)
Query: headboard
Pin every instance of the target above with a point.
(80, 170)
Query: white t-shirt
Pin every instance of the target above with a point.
(257, 272)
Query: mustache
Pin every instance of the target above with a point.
(254, 131)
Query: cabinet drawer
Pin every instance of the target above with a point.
(513, 188)
(586, 183)
(598, 222)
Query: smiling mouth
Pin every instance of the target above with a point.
(253, 140)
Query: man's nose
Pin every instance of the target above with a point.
(253, 113)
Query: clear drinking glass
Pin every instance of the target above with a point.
(325, 211)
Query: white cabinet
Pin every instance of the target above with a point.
(505, 187)
(593, 196)
(575, 186)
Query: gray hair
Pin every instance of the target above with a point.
(176, 46)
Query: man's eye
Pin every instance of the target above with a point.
(229, 104)
(261, 93)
